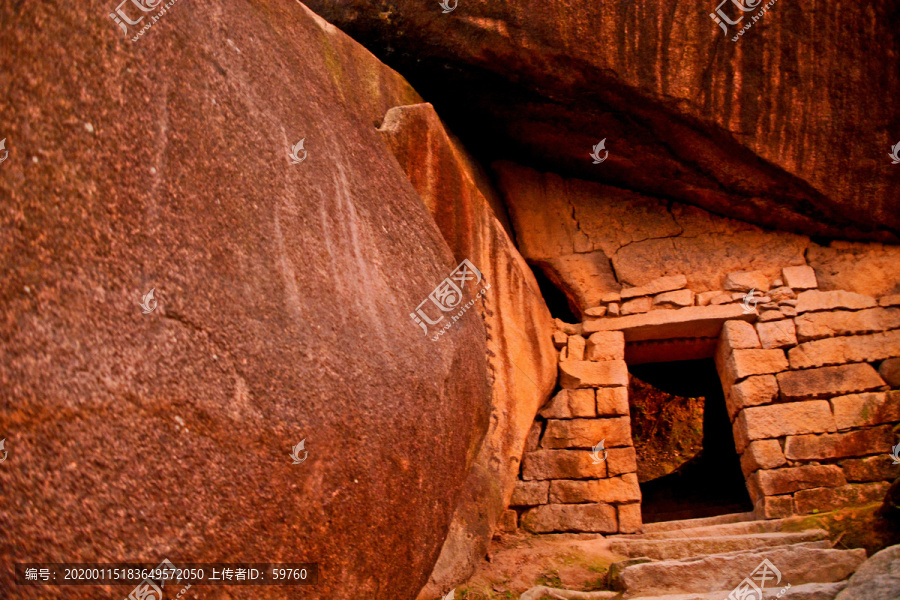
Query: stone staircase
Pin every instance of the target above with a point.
(705, 559)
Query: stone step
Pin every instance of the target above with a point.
(809, 591)
(675, 548)
(743, 528)
(704, 522)
(799, 564)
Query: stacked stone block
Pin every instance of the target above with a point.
(813, 419)
(562, 487)
(811, 381)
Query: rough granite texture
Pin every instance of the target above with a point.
(284, 294)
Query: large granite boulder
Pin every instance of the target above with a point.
(281, 309)
(877, 579)
(768, 129)
(521, 356)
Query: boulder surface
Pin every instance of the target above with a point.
(280, 314)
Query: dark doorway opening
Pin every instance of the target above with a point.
(687, 463)
(556, 299)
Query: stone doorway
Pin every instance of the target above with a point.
(687, 463)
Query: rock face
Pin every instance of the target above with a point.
(521, 357)
(744, 129)
(283, 293)
(877, 579)
(592, 239)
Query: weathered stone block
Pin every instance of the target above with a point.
(693, 321)
(575, 374)
(814, 326)
(576, 345)
(677, 299)
(508, 522)
(596, 312)
(590, 518)
(788, 481)
(827, 499)
(762, 454)
(775, 507)
(815, 300)
(615, 490)
(744, 363)
(777, 334)
(800, 278)
(893, 300)
(890, 372)
(612, 402)
(606, 345)
(657, 286)
(530, 493)
(534, 437)
(873, 468)
(621, 461)
(828, 382)
(838, 445)
(778, 420)
(561, 464)
(610, 297)
(630, 520)
(744, 281)
(704, 298)
(613, 311)
(637, 306)
(739, 335)
(587, 433)
(560, 340)
(864, 410)
(571, 404)
(753, 391)
(841, 350)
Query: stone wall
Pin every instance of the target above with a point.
(564, 484)
(811, 380)
(812, 391)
